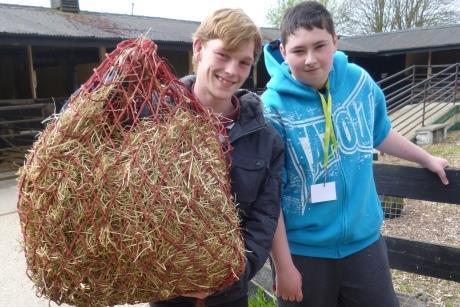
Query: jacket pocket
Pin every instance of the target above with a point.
(247, 178)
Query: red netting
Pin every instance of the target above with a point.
(125, 196)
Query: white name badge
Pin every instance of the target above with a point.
(323, 192)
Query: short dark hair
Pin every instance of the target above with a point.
(307, 15)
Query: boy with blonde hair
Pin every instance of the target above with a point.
(225, 46)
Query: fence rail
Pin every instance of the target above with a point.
(435, 260)
(422, 258)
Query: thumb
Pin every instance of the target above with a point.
(442, 175)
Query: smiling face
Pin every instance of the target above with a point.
(309, 54)
(220, 72)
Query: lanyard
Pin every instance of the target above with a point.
(329, 134)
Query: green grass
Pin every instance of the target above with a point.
(443, 151)
(261, 300)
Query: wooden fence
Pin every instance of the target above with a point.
(435, 260)
(423, 258)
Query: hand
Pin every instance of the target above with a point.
(198, 295)
(437, 165)
(288, 284)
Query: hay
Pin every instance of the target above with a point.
(124, 198)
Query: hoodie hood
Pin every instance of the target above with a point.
(281, 78)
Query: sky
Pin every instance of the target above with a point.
(179, 9)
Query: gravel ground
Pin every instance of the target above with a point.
(429, 222)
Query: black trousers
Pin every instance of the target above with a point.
(190, 302)
(359, 280)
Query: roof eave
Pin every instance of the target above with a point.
(68, 41)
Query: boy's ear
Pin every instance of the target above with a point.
(283, 51)
(197, 48)
(335, 41)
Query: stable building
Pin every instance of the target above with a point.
(384, 54)
(47, 53)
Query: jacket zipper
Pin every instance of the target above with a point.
(344, 202)
(247, 133)
(341, 240)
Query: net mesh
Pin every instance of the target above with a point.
(125, 196)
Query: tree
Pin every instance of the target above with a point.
(339, 10)
(275, 14)
(412, 13)
(371, 16)
(352, 17)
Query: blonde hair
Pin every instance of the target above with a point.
(233, 27)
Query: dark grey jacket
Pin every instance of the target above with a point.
(256, 161)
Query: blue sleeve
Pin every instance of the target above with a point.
(382, 123)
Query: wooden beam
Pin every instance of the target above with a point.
(32, 75)
(429, 70)
(102, 53)
(439, 261)
(416, 183)
(190, 62)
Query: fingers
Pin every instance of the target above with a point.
(283, 294)
(442, 175)
(438, 166)
(288, 285)
(292, 295)
(198, 295)
(299, 296)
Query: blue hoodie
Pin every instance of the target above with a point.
(331, 229)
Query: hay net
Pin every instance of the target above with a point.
(125, 196)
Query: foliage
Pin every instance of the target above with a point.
(352, 17)
(260, 299)
(371, 16)
(275, 14)
(340, 11)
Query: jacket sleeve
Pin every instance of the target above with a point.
(263, 217)
(382, 124)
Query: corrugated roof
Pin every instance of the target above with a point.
(18, 20)
(21, 20)
(40, 21)
(415, 39)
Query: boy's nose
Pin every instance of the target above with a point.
(310, 59)
(231, 68)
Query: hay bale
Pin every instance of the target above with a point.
(118, 205)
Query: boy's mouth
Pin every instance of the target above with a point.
(309, 70)
(225, 82)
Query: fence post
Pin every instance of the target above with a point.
(413, 82)
(456, 83)
(424, 103)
